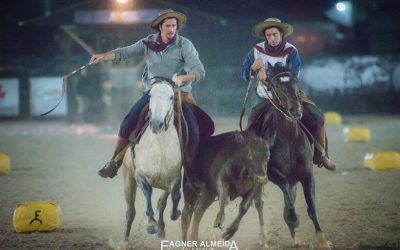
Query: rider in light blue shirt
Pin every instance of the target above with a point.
(165, 53)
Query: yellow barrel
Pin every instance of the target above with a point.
(4, 164)
(386, 160)
(357, 134)
(332, 118)
(37, 216)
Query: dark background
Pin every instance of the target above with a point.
(34, 44)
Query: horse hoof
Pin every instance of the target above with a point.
(229, 232)
(176, 215)
(161, 234)
(151, 229)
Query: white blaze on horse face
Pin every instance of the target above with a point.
(161, 106)
(284, 79)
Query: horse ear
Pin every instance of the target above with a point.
(174, 77)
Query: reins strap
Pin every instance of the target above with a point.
(244, 103)
(180, 113)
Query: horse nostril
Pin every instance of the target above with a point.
(160, 125)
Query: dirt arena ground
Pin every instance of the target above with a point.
(53, 160)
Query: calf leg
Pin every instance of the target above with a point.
(130, 196)
(309, 194)
(203, 202)
(147, 190)
(176, 196)
(244, 206)
(190, 196)
(223, 201)
(162, 203)
(259, 204)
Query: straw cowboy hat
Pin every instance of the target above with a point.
(168, 13)
(258, 29)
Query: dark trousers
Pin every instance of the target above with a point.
(131, 119)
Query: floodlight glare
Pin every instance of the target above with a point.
(122, 1)
(340, 6)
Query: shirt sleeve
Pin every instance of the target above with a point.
(136, 49)
(192, 61)
(247, 62)
(295, 62)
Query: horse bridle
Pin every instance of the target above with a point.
(272, 87)
(172, 84)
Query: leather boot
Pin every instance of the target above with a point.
(320, 159)
(111, 168)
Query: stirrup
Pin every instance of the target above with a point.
(110, 169)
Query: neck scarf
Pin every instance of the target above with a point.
(158, 45)
(276, 51)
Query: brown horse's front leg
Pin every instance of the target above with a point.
(244, 206)
(222, 189)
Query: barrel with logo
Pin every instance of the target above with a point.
(37, 216)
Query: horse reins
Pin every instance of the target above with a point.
(244, 103)
(290, 117)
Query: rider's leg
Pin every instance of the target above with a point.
(127, 126)
(194, 139)
(314, 120)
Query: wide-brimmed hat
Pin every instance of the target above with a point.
(168, 13)
(258, 29)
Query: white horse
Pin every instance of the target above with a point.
(156, 160)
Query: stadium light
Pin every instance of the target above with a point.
(340, 6)
(122, 1)
(341, 13)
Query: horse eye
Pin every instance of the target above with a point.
(171, 98)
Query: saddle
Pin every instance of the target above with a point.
(206, 125)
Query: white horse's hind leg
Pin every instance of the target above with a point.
(176, 196)
(162, 203)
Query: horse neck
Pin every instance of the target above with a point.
(285, 126)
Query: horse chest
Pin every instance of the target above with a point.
(158, 154)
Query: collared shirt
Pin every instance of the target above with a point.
(180, 57)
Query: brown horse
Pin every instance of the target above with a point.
(291, 154)
(232, 164)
